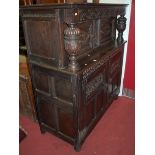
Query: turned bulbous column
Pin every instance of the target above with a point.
(121, 26)
(72, 35)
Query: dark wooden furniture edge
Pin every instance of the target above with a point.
(69, 5)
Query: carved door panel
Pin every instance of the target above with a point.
(94, 95)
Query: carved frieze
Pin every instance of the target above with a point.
(93, 68)
(80, 15)
(97, 13)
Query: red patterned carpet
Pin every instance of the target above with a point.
(113, 135)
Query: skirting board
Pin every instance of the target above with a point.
(128, 93)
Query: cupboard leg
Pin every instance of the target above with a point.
(77, 147)
(42, 130)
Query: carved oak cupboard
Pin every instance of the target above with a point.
(75, 61)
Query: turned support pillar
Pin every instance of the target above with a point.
(121, 26)
(72, 35)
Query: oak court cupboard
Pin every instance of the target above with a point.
(75, 61)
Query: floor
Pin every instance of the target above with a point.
(113, 135)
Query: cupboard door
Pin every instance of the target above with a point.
(94, 95)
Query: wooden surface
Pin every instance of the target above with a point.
(75, 62)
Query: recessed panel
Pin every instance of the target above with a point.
(41, 81)
(47, 113)
(103, 31)
(100, 101)
(63, 88)
(42, 37)
(66, 124)
(89, 112)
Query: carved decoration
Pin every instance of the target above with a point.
(92, 13)
(93, 85)
(72, 39)
(121, 26)
(93, 68)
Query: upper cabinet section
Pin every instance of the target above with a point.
(61, 34)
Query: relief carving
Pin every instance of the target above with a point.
(80, 15)
(93, 85)
(93, 68)
(95, 13)
(72, 40)
(76, 41)
(121, 26)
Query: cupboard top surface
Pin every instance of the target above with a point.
(70, 5)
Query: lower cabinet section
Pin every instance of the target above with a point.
(70, 104)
